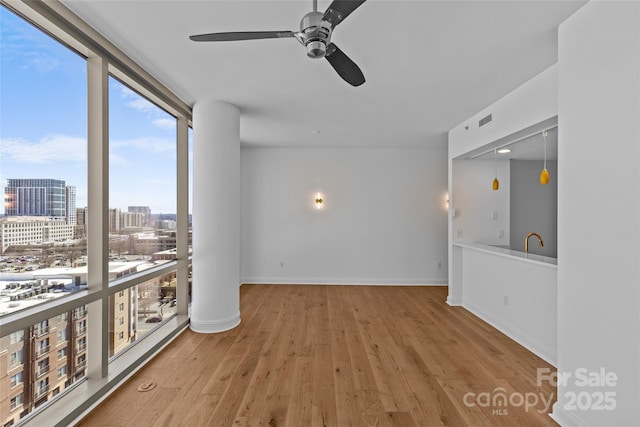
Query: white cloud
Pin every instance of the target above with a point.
(125, 92)
(27, 46)
(137, 102)
(117, 160)
(142, 105)
(64, 148)
(42, 62)
(49, 149)
(165, 123)
(148, 144)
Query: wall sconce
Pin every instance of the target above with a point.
(318, 201)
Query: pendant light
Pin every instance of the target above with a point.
(495, 185)
(544, 175)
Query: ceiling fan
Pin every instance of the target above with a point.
(315, 33)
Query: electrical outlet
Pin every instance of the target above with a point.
(506, 300)
(500, 234)
(281, 264)
(439, 264)
(494, 215)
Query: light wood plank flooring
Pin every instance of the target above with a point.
(336, 356)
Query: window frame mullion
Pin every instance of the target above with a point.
(98, 214)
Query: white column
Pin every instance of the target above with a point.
(216, 217)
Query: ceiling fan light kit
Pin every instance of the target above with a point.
(315, 34)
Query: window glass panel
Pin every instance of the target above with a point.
(140, 310)
(16, 337)
(15, 402)
(43, 346)
(16, 357)
(39, 366)
(62, 353)
(43, 166)
(62, 336)
(142, 182)
(62, 371)
(16, 379)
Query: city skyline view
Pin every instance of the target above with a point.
(43, 122)
(45, 236)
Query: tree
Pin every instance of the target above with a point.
(76, 251)
(119, 244)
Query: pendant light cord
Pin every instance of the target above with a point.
(544, 135)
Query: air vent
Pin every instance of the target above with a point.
(483, 121)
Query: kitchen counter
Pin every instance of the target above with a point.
(512, 291)
(545, 260)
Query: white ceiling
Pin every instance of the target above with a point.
(429, 65)
(529, 148)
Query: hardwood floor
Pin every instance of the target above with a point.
(337, 356)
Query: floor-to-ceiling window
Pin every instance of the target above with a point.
(142, 212)
(43, 174)
(80, 287)
(43, 164)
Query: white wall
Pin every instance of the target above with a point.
(533, 102)
(534, 207)
(517, 296)
(383, 221)
(479, 212)
(599, 208)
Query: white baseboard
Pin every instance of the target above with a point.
(514, 333)
(454, 302)
(565, 418)
(367, 281)
(214, 326)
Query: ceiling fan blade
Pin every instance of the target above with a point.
(339, 9)
(241, 35)
(345, 67)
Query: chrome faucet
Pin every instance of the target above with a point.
(526, 241)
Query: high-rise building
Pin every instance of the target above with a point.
(81, 216)
(146, 210)
(41, 197)
(36, 197)
(114, 220)
(81, 222)
(122, 320)
(132, 219)
(41, 361)
(70, 205)
(20, 231)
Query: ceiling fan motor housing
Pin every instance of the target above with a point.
(316, 49)
(315, 35)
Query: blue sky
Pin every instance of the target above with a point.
(43, 123)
